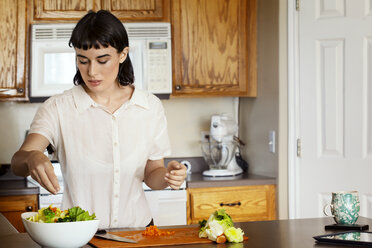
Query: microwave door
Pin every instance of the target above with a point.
(136, 56)
(54, 68)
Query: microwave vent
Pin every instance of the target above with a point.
(152, 30)
(134, 30)
(40, 32)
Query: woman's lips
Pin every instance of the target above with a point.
(94, 82)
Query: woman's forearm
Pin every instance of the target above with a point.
(155, 179)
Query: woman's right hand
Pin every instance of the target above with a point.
(42, 170)
(30, 160)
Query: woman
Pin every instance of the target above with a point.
(107, 135)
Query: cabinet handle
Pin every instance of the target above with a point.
(29, 208)
(20, 90)
(230, 204)
(178, 87)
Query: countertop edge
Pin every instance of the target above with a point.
(198, 181)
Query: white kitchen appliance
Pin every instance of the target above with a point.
(53, 63)
(219, 147)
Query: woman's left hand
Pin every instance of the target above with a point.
(175, 175)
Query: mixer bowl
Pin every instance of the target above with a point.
(218, 154)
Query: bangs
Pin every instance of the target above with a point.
(87, 41)
(99, 30)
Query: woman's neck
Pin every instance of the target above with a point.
(112, 99)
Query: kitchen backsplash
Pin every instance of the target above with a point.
(186, 119)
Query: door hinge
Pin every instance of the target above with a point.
(297, 5)
(298, 147)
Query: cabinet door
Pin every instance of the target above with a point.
(139, 10)
(13, 206)
(13, 49)
(214, 47)
(243, 203)
(62, 9)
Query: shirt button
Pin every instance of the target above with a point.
(116, 196)
(116, 143)
(116, 171)
(115, 220)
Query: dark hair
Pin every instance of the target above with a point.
(102, 28)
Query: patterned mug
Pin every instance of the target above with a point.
(344, 206)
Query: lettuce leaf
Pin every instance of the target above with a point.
(78, 214)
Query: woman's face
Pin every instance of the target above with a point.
(99, 67)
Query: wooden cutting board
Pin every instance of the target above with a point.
(188, 235)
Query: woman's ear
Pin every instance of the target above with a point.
(124, 54)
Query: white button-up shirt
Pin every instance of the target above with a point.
(103, 155)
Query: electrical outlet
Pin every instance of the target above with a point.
(272, 141)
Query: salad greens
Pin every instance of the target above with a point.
(219, 225)
(54, 215)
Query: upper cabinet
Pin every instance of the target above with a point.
(139, 10)
(214, 47)
(13, 48)
(125, 10)
(213, 41)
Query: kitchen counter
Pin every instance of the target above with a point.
(11, 184)
(18, 187)
(279, 234)
(197, 180)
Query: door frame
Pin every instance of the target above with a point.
(293, 109)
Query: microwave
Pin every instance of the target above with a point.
(53, 63)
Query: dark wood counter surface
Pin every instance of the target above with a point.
(262, 234)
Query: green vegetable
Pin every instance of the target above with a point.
(53, 214)
(218, 223)
(77, 214)
(48, 215)
(223, 218)
(234, 235)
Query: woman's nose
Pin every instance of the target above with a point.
(92, 70)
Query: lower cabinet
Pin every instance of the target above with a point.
(242, 203)
(13, 206)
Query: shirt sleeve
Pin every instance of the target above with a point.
(161, 145)
(45, 122)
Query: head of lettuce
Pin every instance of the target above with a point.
(220, 227)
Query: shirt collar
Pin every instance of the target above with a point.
(139, 98)
(83, 101)
(81, 98)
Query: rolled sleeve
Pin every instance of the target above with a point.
(161, 144)
(45, 122)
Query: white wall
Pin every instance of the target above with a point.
(186, 118)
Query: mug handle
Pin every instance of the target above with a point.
(325, 209)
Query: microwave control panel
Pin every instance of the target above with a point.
(159, 78)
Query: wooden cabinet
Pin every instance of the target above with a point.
(214, 47)
(13, 47)
(125, 10)
(13, 206)
(139, 10)
(242, 203)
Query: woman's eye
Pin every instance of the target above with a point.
(82, 62)
(102, 62)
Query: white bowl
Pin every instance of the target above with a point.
(57, 235)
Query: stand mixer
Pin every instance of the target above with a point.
(219, 147)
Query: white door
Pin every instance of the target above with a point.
(334, 111)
